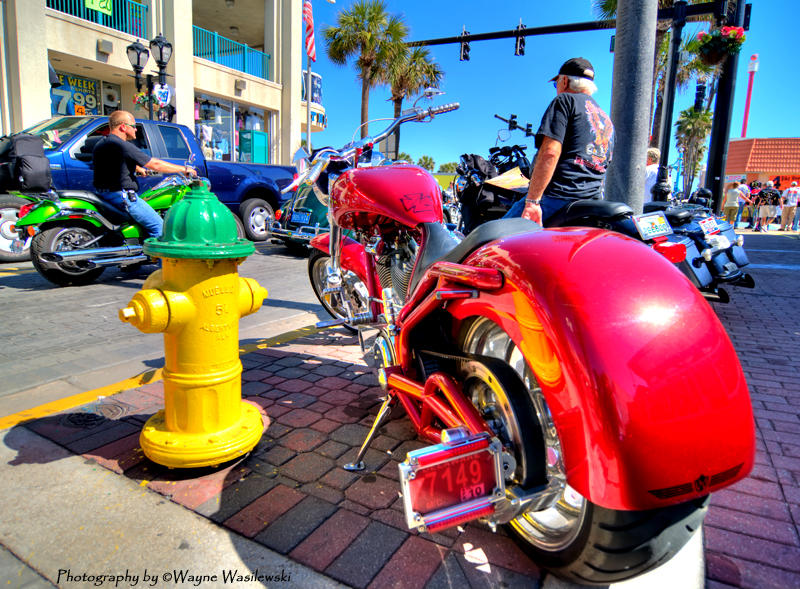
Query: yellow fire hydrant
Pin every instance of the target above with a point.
(196, 300)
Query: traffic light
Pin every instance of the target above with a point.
(699, 96)
(519, 46)
(464, 52)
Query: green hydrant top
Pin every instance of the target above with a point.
(199, 227)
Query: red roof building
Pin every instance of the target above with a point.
(764, 159)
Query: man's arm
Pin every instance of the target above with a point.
(543, 168)
(168, 168)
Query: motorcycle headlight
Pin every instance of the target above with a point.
(740, 240)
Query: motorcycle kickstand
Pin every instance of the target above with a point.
(383, 413)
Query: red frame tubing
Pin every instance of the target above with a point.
(644, 386)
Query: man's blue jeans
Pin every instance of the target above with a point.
(739, 215)
(550, 206)
(141, 212)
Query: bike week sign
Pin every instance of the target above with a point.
(76, 96)
(104, 6)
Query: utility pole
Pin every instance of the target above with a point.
(721, 127)
(630, 100)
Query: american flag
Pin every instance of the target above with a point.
(308, 16)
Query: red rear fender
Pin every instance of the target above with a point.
(644, 385)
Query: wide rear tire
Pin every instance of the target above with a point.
(63, 239)
(575, 539)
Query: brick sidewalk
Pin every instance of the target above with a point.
(292, 496)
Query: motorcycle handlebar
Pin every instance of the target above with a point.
(322, 158)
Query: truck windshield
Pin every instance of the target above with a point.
(56, 131)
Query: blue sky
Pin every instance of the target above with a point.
(497, 81)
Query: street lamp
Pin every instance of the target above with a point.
(162, 52)
(138, 55)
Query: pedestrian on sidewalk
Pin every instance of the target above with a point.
(789, 201)
(754, 189)
(744, 201)
(769, 210)
(730, 208)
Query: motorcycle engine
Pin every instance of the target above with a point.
(396, 265)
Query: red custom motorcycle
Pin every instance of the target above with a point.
(576, 386)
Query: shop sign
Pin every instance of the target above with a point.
(76, 96)
(104, 6)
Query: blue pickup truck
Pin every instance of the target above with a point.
(252, 191)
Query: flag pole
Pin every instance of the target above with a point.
(308, 107)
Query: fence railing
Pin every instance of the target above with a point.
(126, 15)
(214, 47)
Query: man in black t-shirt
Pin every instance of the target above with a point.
(770, 200)
(116, 162)
(575, 141)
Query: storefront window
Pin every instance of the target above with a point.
(214, 129)
(231, 132)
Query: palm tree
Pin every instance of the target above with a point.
(426, 162)
(608, 9)
(691, 132)
(409, 73)
(374, 37)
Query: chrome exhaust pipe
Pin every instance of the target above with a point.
(124, 261)
(80, 255)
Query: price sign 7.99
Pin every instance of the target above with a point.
(75, 96)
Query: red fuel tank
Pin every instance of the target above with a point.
(404, 193)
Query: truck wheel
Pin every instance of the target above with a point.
(9, 215)
(257, 216)
(240, 232)
(63, 239)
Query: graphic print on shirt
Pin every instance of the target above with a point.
(603, 132)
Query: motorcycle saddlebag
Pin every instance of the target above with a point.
(24, 165)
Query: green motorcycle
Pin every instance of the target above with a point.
(76, 235)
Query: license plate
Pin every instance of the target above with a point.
(652, 225)
(709, 226)
(301, 218)
(447, 485)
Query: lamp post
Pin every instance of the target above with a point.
(138, 55)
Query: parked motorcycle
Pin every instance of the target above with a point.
(575, 386)
(76, 235)
(706, 249)
(487, 189)
(721, 250)
(299, 219)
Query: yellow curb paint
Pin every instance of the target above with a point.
(144, 378)
(79, 399)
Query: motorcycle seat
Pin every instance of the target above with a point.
(579, 210)
(440, 245)
(109, 211)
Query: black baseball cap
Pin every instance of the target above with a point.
(577, 66)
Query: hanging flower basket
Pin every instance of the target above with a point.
(714, 47)
(142, 99)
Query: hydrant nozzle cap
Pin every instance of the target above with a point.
(199, 227)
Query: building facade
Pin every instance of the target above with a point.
(235, 76)
(763, 159)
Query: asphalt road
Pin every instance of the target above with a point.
(62, 341)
